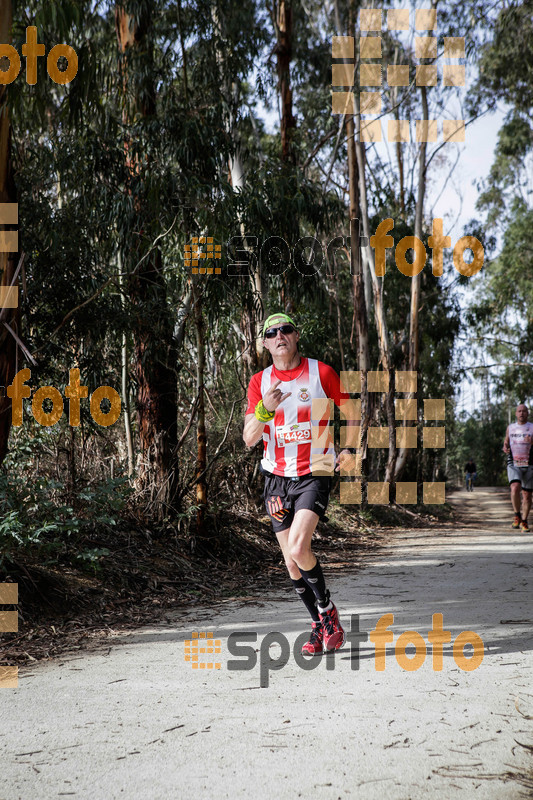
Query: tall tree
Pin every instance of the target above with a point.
(10, 316)
(155, 354)
(282, 13)
(501, 308)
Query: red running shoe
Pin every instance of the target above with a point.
(314, 646)
(524, 526)
(334, 635)
(517, 520)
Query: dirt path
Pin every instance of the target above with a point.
(135, 719)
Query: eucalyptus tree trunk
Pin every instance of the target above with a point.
(201, 437)
(358, 275)
(283, 27)
(419, 215)
(282, 18)
(399, 145)
(8, 345)
(357, 269)
(358, 286)
(379, 310)
(415, 280)
(154, 346)
(252, 312)
(125, 382)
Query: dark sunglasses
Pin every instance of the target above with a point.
(271, 333)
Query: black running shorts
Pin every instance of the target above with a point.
(285, 496)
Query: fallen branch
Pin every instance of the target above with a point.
(526, 716)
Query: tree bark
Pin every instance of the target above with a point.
(399, 145)
(415, 280)
(358, 288)
(8, 346)
(125, 382)
(201, 438)
(154, 346)
(283, 24)
(252, 351)
(419, 215)
(358, 283)
(379, 310)
(253, 311)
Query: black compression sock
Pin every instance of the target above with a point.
(307, 595)
(315, 579)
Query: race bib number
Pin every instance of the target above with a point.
(299, 432)
(520, 448)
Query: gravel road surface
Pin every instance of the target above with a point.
(135, 719)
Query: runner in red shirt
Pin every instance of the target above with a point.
(288, 407)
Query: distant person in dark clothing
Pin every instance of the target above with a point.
(470, 474)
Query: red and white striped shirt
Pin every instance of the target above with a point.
(288, 446)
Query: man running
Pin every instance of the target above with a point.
(517, 445)
(298, 456)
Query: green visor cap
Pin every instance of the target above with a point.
(275, 319)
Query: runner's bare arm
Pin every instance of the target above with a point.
(506, 447)
(350, 412)
(253, 430)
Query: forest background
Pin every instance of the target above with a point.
(161, 137)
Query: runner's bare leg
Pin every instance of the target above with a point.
(290, 563)
(526, 504)
(295, 542)
(515, 496)
(300, 535)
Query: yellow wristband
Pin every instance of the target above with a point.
(262, 414)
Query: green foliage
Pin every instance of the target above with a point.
(38, 521)
(480, 436)
(508, 180)
(42, 516)
(31, 520)
(506, 61)
(132, 160)
(500, 312)
(44, 512)
(91, 558)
